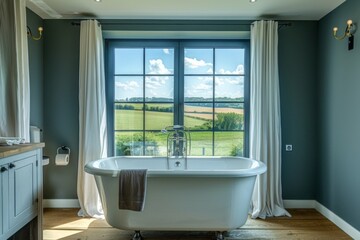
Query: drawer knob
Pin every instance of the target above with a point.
(11, 165)
(3, 169)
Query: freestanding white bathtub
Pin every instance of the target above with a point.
(212, 194)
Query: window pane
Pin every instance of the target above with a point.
(155, 143)
(198, 116)
(198, 61)
(128, 143)
(201, 143)
(159, 61)
(229, 144)
(128, 116)
(159, 89)
(198, 89)
(229, 88)
(129, 60)
(158, 116)
(129, 89)
(229, 61)
(229, 116)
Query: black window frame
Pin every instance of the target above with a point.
(179, 45)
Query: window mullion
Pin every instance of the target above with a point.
(180, 84)
(214, 86)
(144, 112)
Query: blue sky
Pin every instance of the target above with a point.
(196, 61)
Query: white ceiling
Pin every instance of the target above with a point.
(184, 9)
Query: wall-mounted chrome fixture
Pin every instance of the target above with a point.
(349, 32)
(29, 33)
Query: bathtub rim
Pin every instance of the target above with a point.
(259, 169)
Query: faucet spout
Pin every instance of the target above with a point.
(178, 142)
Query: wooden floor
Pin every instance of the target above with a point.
(304, 224)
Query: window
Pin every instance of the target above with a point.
(200, 84)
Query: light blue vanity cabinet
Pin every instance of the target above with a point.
(4, 201)
(1, 205)
(2, 195)
(21, 191)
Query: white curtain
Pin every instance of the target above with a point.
(14, 70)
(265, 119)
(92, 115)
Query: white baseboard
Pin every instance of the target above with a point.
(347, 228)
(61, 203)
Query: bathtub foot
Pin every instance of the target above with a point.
(220, 235)
(137, 236)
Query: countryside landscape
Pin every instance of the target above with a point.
(228, 125)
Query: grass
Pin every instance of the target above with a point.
(201, 141)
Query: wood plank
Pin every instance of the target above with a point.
(64, 224)
(288, 224)
(287, 234)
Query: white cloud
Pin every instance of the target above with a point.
(202, 89)
(203, 86)
(209, 80)
(152, 93)
(132, 85)
(239, 70)
(219, 81)
(236, 81)
(156, 66)
(166, 51)
(155, 82)
(194, 63)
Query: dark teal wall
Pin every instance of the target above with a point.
(339, 116)
(36, 66)
(297, 72)
(61, 111)
(297, 59)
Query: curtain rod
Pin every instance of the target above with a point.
(281, 25)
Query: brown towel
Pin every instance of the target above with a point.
(132, 189)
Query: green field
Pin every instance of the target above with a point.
(133, 120)
(201, 142)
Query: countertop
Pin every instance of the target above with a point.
(6, 151)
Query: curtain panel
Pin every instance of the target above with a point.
(265, 119)
(92, 115)
(14, 71)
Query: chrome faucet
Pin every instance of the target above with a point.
(178, 142)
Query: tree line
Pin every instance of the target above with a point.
(147, 108)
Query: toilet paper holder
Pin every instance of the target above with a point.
(63, 148)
